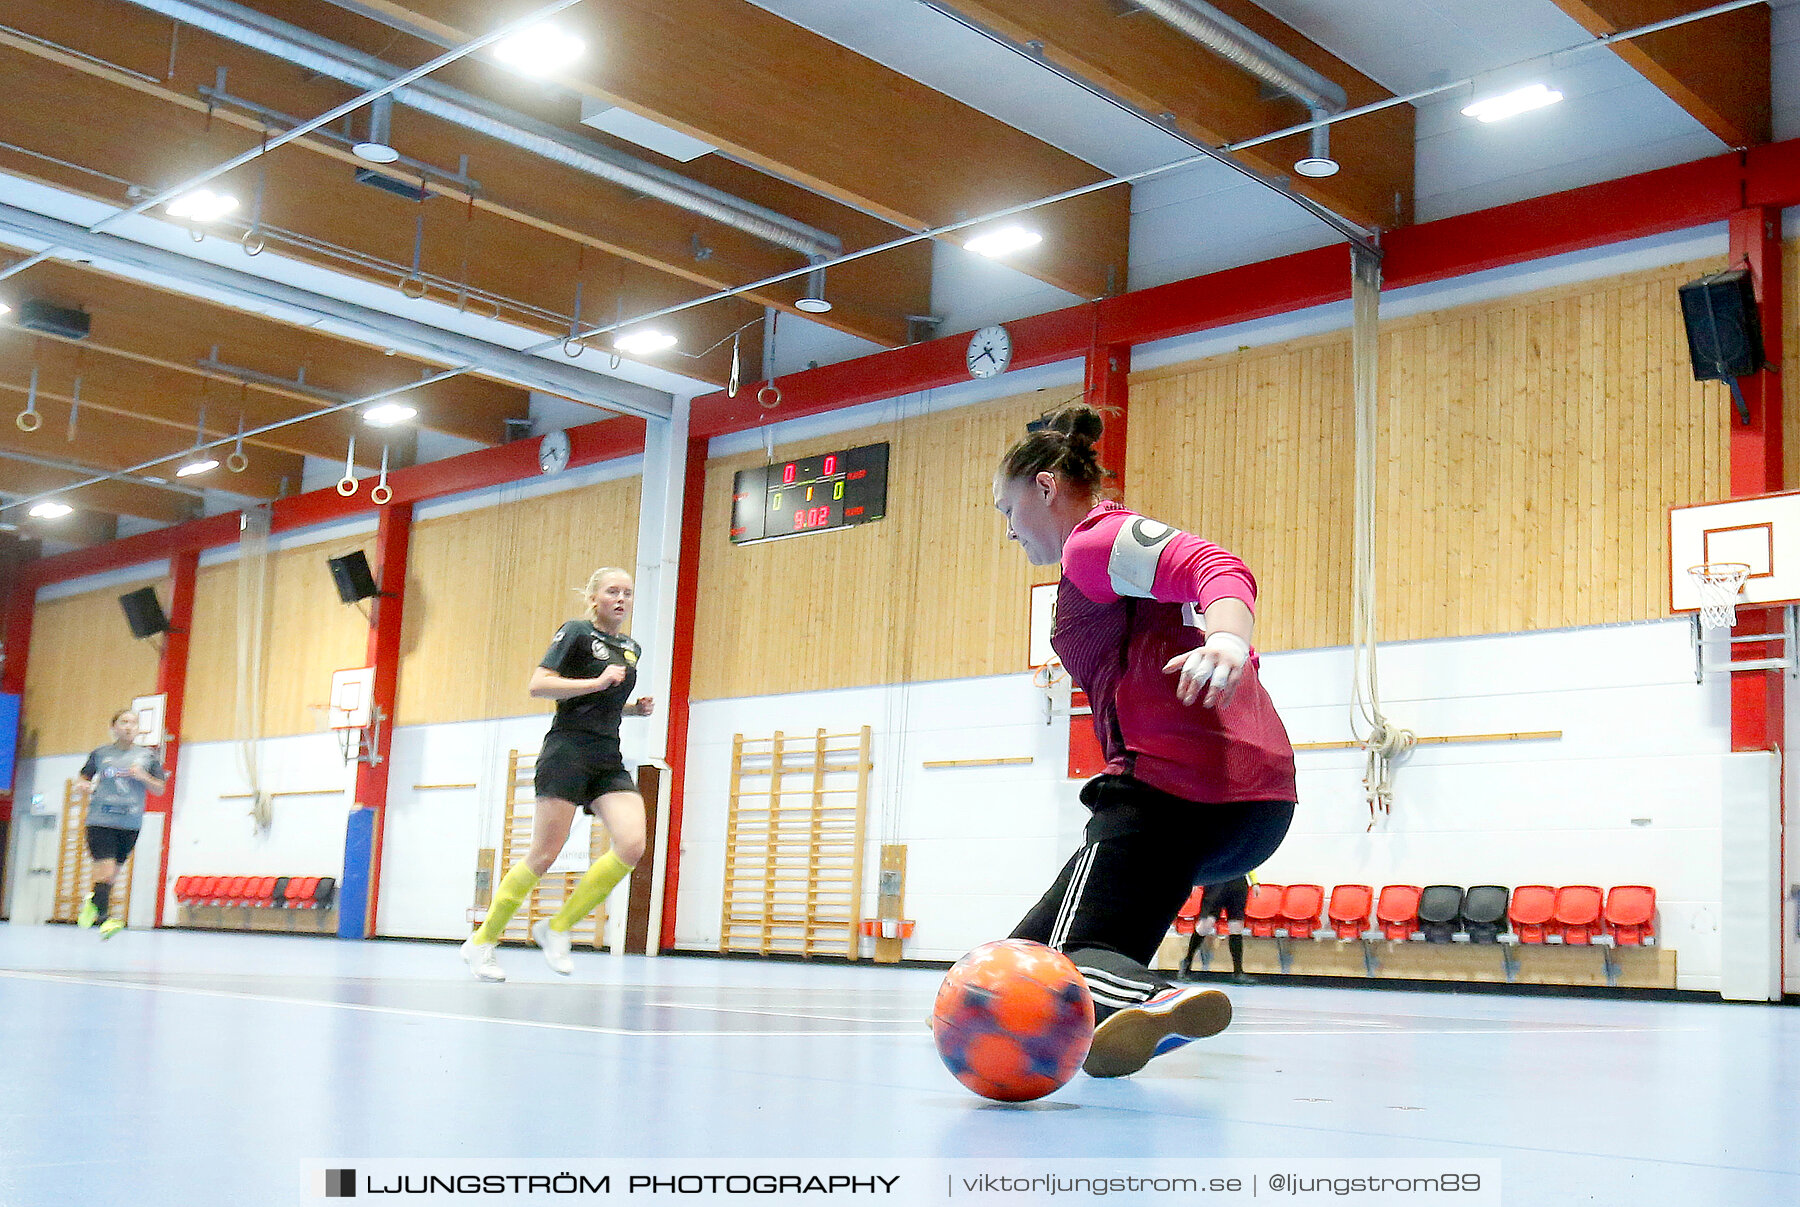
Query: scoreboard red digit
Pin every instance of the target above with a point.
(812, 494)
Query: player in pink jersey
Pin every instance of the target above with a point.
(1155, 625)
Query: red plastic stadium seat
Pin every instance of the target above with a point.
(202, 889)
(1301, 906)
(1631, 914)
(1532, 912)
(265, 889)
(1349, 910)
(1263, 913)
(1578, 912)
(1190, 913)
(181, 887)
(1397, 911)
(308, 886)
(234, 890)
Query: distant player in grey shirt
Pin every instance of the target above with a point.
(114, 780)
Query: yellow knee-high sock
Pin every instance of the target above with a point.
(515, 886)
(600, 880)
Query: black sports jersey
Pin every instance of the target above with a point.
(581, 651)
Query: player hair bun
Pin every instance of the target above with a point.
(1078, 421)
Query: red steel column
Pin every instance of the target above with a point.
(21, 604)
(1758, 698)
(1106, 386)
(171, 680)
(393, 540)
(681, 673)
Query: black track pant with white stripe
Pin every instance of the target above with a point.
(1142, 853)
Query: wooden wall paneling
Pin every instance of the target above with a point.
(84, 667)
(311, 633)
(488, 588)
(933, 591)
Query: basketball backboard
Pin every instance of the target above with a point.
(1760, 531)
(149, 710)
(352, 697)
(1043, 617)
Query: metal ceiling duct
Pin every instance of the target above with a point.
(1236, 42)
(249, 28)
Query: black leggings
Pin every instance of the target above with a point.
(1142, 853)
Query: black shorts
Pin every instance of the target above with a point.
(110, 842)
(1230, 899)
(580, 769)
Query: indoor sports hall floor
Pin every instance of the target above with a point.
(180, 1068)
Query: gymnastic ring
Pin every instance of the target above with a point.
(237, 463)
(463, 307)
(36, 421)
(196, 234)
(253, 243)
(408, 293)
(580, 346)
(346, 486)
(769, 397)
(380, 495)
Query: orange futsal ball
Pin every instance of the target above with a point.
(1013, 1020)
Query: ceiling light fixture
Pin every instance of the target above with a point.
(542, 49)
(375, 148)
(50, 509)
(387, 414)
(1316, 166)
(1003, 242)
(644, 343)
(202, 205)
(197, 465)
(5, 309)
(814, 301)
(1509, 104)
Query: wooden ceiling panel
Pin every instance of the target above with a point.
(534, 199)
(113, 498)
(813, 112)
(154, 328)
(1142, 59)
(1716, 69)
(111, 441)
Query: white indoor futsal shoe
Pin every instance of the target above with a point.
(555, 945)
(1126, 1041)
(481, 960)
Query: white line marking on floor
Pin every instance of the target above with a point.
(461, 1018)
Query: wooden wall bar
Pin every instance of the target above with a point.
(84, 667)
(488, 588)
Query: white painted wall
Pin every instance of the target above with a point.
(1631, 793)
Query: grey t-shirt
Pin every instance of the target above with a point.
(118, 799)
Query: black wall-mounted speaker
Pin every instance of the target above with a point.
(144, 613)
(1724, 329)
(61, 321)
(351, 574)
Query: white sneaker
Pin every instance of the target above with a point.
(1128, 1038)
(555, 945)
(480, 959)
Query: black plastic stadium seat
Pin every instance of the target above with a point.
(1440, 912)
(278, 896)
(322, 894)
(1484, 912)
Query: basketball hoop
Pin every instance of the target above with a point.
(1718, 584)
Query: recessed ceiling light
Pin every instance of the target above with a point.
(387, 414)
(1316, 166)
(202, 205)
(643, 343)
(1004, 241)
(198, 465)
(50, 509)
(1519, 100)
(541, 49)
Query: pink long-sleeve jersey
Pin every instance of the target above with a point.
(1130, 599)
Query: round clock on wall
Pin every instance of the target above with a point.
(553, 453)
(990, 351)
